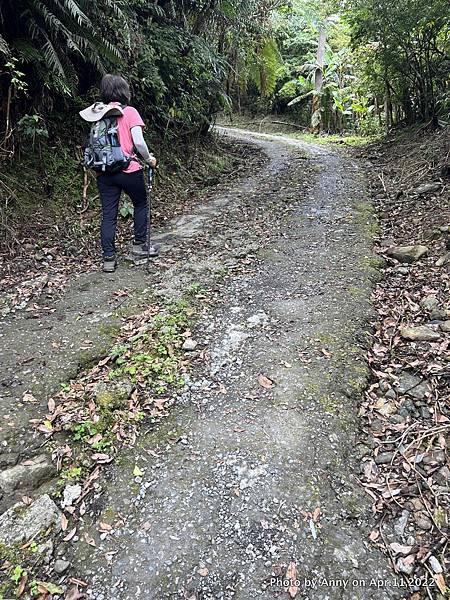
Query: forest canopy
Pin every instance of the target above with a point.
(333, 66)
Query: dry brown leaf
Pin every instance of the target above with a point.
(203, 572)
(70, 535)
(27, 397)
(95, 439)
(89, 540)
(291, 576)
(317, 513)
(101, 458)
(374, 535)
(73, 593)
(265, 382)
(22, 585)
(51, 405)
(440, 582)
(400, 549)
(64, 522)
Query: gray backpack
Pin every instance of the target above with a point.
(103, 152)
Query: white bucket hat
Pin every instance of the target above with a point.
(98, 110)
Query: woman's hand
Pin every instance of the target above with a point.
(152, 162)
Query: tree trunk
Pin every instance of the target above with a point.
(316, 118)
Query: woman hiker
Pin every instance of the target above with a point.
(115, 95)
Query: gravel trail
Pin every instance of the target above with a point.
(256, 466)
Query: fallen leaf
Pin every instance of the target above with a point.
(51, 405)
(73, 593)
(326, 353)
(399, 549)
(137, 472)
(101, 458)
(95, 439)
(64, 522)
(47, 587)
(89, 540)
(22, 585)
(203, 572)
(27, 397)
(265, 382)
(70, 535)
(374, 535)
(105, 527)
(440, 582)
(291, 576)
(316, 514)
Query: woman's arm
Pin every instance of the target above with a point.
(141, 146)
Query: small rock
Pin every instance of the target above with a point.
(439, 456)
(407, 254)
(435, 564)
(429, 303)
(399, 418)
(384, 458)
(443, 260)
(412, 385)
(421, 333)
(21, 523)
(71, 493)
(46, 551)
(427, 188)
(404, 567)
(377, 425)
(112, 394)
(363, 450)
(400, 524)
(445, 326)
(28, 474)
(439, 314)
(423, 521)
(189, 345)
(417, 504)
(61, 565)
(442, 477)
(384, 385)
(424, 412)
(403, 270)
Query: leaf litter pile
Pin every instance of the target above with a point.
(406, 411)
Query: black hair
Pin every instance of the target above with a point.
(114, 88)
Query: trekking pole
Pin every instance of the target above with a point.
(151, 250)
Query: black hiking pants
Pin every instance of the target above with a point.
(110, 187)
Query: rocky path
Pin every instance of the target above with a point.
(254, 470)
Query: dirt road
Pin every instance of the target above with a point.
(256, 466)
(251, 474)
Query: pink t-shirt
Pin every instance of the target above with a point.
(131, 118)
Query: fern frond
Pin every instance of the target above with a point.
(4, 48)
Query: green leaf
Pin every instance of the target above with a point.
(51, 588)
(137, 472)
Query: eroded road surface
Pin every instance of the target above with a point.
(242, 478)
(256, 465)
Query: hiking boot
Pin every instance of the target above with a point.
(142, 251)
(109, 264)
